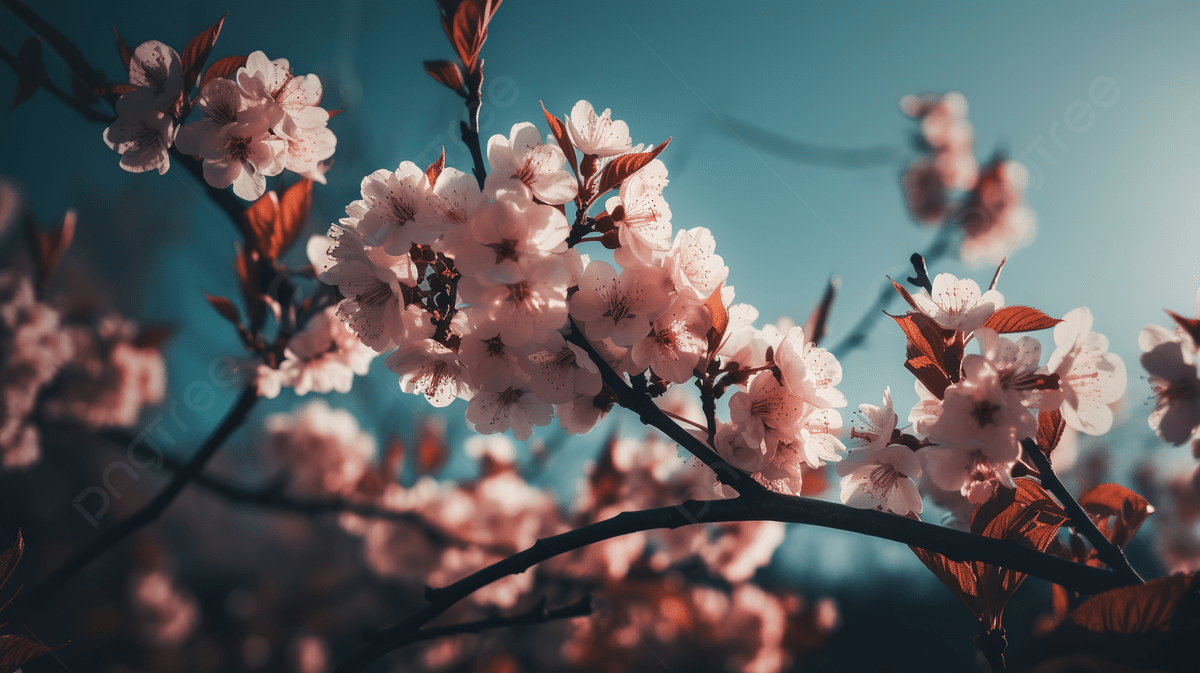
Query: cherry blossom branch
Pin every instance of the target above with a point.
(858, 334)
(765, 506)
(148, 513)
(802, 152)
(53, 89)
(470, 132)
(1110, 553)
(538, 614)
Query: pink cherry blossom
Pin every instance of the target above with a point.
(875, 474)
(450, 205)
(234, 139)
(978, 410)
(926, 411)
(428, 368)
(375, 286)
(141, 134)
(522, 163)
(694, 267)
(324, 357)
(957, 304)
(494, 365)
(642, 215)
(767, 412)
(1091, 378)
(508, 237)
(597, 135)
(155, 68)
(525, 310)
(262, 78)
(516, 408)
(996, 221)
(620, 307)
(1169, 358)
(676, 342)
(323, 451)
(387, 214)
(560, 371)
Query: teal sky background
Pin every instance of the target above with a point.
(1117, 202)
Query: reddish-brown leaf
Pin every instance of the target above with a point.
(559, 130)
(1114, 500)
(224, 307)
(904, 294)
(621, 167)
(259, 220)
(1019, 319)
(30, 71)
(1143, 608)
(449, 74)
(195, 54)
(51, 246)
(1050, 429)
(123, 49)
(332, 114)
(153, 337)
(716, 306)
(929, 373)
(16, 651)
(432, 451)
(223, 68)
(435, 169)
(817, 324)
(294, 207)
(469, 31)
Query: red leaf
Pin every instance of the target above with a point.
(53, 245)
(226, 67)
(559, 130)
(930, 375)
(1019, 319)
(1109, 500)
(1143, 608)
(625, 165)
(904, 294)
(123, 49)
(818, 321)
(195, 55)
(432, 451)
(224, 307)
(30, 71)
(720, 318)
(332, 114)
(153, 337)
(435, 169)
(16, 651)
(293, 213)
(1050, 429)
(449, 74)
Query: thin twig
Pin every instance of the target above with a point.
(147, 514)
(1111, 554)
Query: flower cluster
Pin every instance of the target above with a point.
(974, 409)
(256, 120)
(1170, 358)
(483, 295)
(946, 182)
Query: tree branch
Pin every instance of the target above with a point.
(1111, 554)
(767, 506)
(538, 614)
(147, 514)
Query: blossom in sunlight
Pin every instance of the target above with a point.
(641, 213)
(694, 267)
(597, 135)
(516, 408)
(977, 434)
(1170, 359)
(321, 450)
(877, 474)
(957, 304)
(620, 307)
(676, 342)
(234, 139)
(387, 214)
(1091, 378)
(950, 165)
(995, 220)
(322, 358)
(522, 163)
(428, 368)
(155, 68)
(560, 371)
(510, 238)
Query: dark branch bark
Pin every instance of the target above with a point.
(1111, 554)
(537, 615)
(767, 506)
(147, 514)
